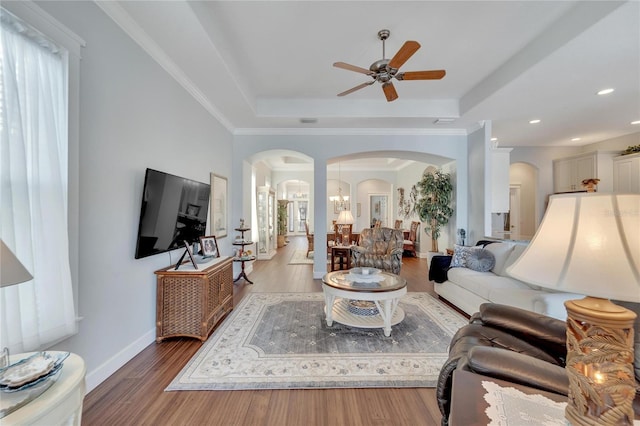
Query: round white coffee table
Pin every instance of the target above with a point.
(383, 289)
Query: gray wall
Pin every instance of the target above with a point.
(133, 115)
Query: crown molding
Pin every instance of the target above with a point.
(349, 131)
(129, 25)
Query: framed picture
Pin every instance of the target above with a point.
(193, 209)
(188, 251)
(218, 205)
(209, 246)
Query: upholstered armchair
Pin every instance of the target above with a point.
(379, 248)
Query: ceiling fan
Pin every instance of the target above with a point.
(384, 70)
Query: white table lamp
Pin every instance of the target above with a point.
(11, 270)
(589, 243)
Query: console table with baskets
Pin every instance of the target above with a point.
(242, 256)
(190, 302)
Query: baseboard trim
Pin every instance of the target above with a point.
(100, 374)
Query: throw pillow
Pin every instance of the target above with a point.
(501, 252)
(481, 260)
(461, 254)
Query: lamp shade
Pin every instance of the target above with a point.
(11, 270)
(345, 217)
(587, 243)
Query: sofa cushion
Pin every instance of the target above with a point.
(483, 283)
(481, 260)
(518, 249)
(461, 254)
(501, 252)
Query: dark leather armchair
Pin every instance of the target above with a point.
(379, 248)
(511, 344)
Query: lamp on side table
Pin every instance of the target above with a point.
(11, 272)
(589, 243)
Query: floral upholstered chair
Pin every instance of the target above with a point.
(379, 248)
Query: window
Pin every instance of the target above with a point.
(34, 165)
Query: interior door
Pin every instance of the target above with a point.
(514, 213)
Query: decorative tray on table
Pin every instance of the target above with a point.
(364, 275)
(30, 371)
(25, 380)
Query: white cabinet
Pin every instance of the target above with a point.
(266, 209)
(568, 173)
(500, 162)
(626, 174)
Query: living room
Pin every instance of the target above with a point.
(132, 112)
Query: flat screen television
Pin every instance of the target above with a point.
(173, 210)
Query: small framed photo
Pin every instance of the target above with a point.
(193, 209)
(209, 246)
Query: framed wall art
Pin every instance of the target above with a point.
(218, 205)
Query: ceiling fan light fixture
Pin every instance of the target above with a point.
(384, 70)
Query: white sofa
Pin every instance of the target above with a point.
(468, 289)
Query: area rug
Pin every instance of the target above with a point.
(300, 258)
(281, 341)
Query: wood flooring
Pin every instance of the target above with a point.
(134, 395)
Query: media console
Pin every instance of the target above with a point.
(190, 302)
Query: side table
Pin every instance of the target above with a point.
(242, 257)
(60, 404)
(343, 254)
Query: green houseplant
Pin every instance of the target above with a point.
(282, 221)
(433, 204)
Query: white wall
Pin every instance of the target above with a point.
(322, 148)
(132, 116)
(478, 178)
(616, 144)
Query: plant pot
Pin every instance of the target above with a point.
(280, 241)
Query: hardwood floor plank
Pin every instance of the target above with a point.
(134, 395)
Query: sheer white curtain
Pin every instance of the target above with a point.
(33, 191)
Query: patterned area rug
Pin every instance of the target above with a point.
(281, 341)
(300, 258)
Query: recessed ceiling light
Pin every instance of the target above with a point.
(536, 121)
(575, 139)
(494, 139)
(635, 122)
(605, 91)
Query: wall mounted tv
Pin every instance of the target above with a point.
(173, 209)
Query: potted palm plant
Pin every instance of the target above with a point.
(433, 204)
(282, 222)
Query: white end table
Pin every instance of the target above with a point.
(61, 404)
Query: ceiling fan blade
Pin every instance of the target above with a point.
(358, 87)
(389, 91)
(350, 67)
(406, 51)
(421, 75)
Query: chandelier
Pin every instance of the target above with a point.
(341, 202)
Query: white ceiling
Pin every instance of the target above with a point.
(261, 66)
